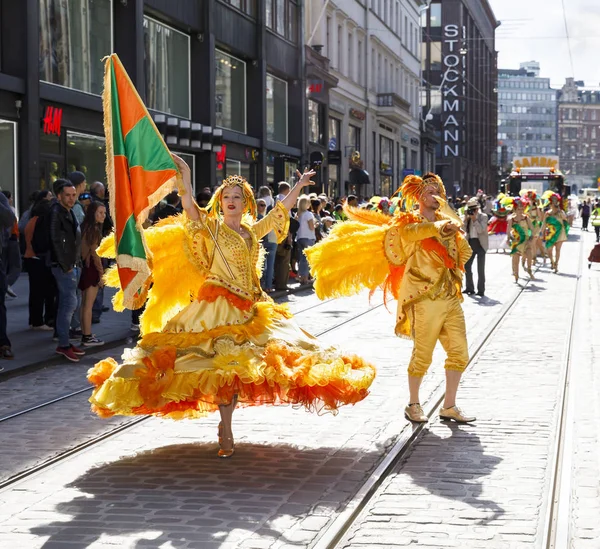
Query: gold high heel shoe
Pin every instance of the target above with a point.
(226, 453)
(516, 277)
(530, 273)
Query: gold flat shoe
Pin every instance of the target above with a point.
(414, 413)
(454, 414)
(226, 453)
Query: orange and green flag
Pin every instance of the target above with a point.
(140, 172)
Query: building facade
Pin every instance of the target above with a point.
(527, 114)
(459, 65)
(372, 48)
(579, 133)
(237, 65)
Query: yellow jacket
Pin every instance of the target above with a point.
(238, 258)
(431, 265)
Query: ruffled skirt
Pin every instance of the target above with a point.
(212, 351)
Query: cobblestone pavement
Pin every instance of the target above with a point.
(585, 391)
(41, 434)
(160, 485)
(486, 485)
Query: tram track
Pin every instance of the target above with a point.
(556, 527)
(54, 460)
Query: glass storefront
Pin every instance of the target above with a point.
(167, 63)
(74, 37)
(230, 96)
(86, 153)
(276, 109)
(8, 158)
(315, 123)
(234, 167)
(386, 169)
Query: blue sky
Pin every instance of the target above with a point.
(535, 30)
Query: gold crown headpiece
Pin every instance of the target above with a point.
(214, 206)
(413, 186)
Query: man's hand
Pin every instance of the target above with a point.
(449, 229)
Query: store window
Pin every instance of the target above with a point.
(74, 37)
(8, 158)
(334, 134)
(234, 167)
(230, 93)
(277, 113)
(86, 153)
(436, 56)
(315, 122)
(282, 17)
(167, 63)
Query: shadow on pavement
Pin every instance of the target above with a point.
(451, 467)
(184, 495)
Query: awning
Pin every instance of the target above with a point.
(359, 177)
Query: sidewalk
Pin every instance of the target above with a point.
(33, 348)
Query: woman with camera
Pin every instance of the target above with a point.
(476, 232)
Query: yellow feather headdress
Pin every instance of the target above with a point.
(214, 206)
(413, 187)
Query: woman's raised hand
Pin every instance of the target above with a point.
(181, 164)
(304, 178)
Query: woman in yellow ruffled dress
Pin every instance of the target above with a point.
(211, 338)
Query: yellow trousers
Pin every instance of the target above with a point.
(442, 320)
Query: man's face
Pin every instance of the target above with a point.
(67, 197)
(428, 197)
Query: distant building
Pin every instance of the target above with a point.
(526, 114)
(459, 79)
(370, 103)
(579, 133)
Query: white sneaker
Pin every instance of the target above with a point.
(9, 292)
(134, 327)
(42, 328)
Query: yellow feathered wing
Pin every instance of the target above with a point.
(349, 259)
(175, 280)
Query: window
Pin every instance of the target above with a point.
(167, 62)
(360, 68)
(436, 56)
(315, 125)
(339, 48)
(8, 157)
(354, 137)
(276, 109)
(74, 37)
(86, 153)
(230, 92)
(269, 13)
(282, 17)
(435, 15)
(329, 52)
(334, 134)
(351, 68)
(246, 6)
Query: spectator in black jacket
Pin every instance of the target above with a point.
(7, 220)
(65, 252)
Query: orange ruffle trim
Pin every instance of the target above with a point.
(211, 292)
(317, 380)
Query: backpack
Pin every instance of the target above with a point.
(40, 241)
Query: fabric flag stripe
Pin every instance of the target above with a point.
(140, 172)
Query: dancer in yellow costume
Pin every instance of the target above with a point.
(210, 336)
(520, 231)
(418, 257)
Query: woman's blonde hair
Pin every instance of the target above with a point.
(303, 203)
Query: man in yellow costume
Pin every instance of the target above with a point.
(419, 257)
(429, 296)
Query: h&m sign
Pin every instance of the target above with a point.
(453, 90)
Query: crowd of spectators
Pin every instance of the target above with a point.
(56, 238)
